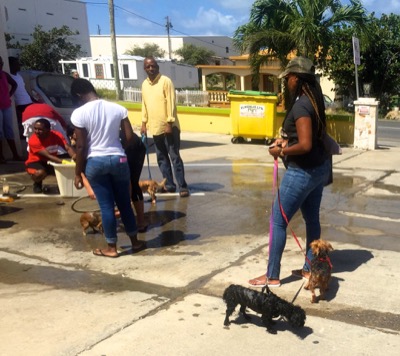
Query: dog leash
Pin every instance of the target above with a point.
(327, 260)
(275, 182)
(144, 140)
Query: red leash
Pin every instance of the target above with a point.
(275, 180)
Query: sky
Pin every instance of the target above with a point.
(188, 17)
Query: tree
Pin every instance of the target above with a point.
(148, 50)
(194, 55)
(340, 67)
(279, 27)
(380, 59)
(48, 48)
(10, 43)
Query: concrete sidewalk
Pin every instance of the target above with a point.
(59, 299)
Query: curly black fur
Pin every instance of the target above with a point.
(265, 303)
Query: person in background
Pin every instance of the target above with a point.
(45, 145)
(159, 113)
(75, 74)
(101, 157)
(8, 86)
(136, 153)
(308, 167)
(21, 97)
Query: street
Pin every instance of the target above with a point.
(389, 133)
(167, 298)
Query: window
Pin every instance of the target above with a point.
(85, 70)
(57, 88)
(98, 69)
(125, 69)
(227, 49)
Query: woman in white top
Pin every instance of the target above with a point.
(100, 155)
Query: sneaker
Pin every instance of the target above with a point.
(37, 188)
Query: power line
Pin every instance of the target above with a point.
(151, 21)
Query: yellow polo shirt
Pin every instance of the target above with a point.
(158, 104)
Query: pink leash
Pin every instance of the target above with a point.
(271, 220)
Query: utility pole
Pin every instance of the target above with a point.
(168, 26)
(114, 50)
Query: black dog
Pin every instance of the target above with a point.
(265, 302)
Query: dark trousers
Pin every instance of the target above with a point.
(167, 151)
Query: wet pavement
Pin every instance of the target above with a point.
(167, 298)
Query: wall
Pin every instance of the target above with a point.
(19, 18)
(216, 120)
(101, 44)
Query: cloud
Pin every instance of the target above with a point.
(212, 22)
(391, 6)
(138, 23)
(244, 5)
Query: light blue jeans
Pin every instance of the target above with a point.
(299, 189)
(109, 178)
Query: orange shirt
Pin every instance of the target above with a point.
(54, 144)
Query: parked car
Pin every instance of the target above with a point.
(53, 89)
(329, 103)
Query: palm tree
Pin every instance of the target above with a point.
(279, 27)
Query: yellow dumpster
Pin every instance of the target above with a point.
(253, 115)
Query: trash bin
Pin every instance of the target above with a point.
(253, 115)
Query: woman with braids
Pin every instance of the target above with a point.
(308, 166)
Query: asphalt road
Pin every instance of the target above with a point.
(389, 133)
(59, 299)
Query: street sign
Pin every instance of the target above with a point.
(356, 51)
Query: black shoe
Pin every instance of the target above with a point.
(37, 188)
(170, 190)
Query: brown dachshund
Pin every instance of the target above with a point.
(152, 187)
(92, 220)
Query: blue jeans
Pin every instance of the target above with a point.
(168, 145)
(6, 129)
(299, 189)
(109, 178)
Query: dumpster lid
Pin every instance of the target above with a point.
(251, 93)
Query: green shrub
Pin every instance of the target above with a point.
(107, 94)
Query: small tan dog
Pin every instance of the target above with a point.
(321, 269)
(92, 220)
(151, 187)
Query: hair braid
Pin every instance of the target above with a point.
(315, 98)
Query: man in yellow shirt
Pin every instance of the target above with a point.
(159, 115)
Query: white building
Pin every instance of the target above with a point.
(100, 71)
(20, 17)
(222, 46)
